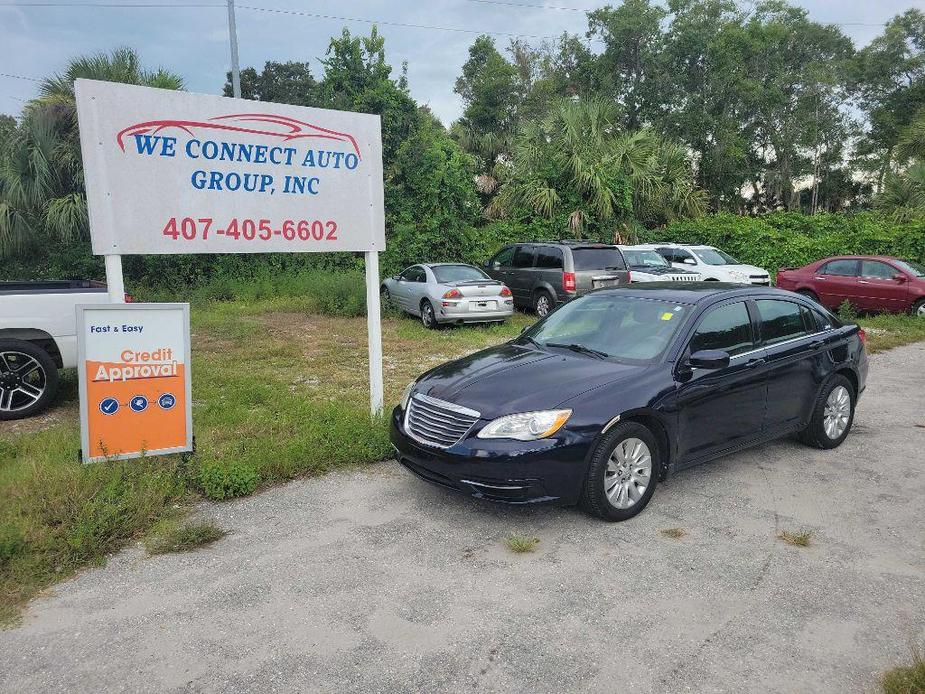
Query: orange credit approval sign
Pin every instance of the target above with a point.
(134, 380)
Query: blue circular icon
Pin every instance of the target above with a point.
(139, 403)
(109, 405)
(167, 401)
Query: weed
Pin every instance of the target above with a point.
(673, 533)
(847, 313)
(228, 479)
(520, 544)
(906, 679)
(177, 536)
(797, 539)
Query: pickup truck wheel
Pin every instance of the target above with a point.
(28, 379)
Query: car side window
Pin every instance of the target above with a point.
(523, 257)
(877, 270)
(405, 276)
(503, 257)
(843, 268)
(728, 328)
(780, 320)
(549, 258)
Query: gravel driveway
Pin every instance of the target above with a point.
(371, 581)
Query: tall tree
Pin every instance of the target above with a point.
(488, 86)
(283, 83)
(42, 195)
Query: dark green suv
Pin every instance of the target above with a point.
(542, 274)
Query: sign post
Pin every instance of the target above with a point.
(174, 172)
(134, 374)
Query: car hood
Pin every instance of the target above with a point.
(747, 269)
(660, 270)
(510, 378)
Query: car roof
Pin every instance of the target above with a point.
(444, 264)
(692, 292)
(858, 257)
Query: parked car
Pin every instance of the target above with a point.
(38, 336)
(713, 264)
(448, 293)
(602, 399)
(869, 282)
(543, 274)
(647, 265)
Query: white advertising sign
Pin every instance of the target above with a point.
(173, 172)
(134, 373)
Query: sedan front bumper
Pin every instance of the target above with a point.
(516, 472)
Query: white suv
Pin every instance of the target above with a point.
(648, 265)
(711, 263)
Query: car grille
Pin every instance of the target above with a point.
(436, 422)
(684, 278)
(759, 279)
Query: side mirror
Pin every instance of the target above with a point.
(711, 359)
(689, 261)
(899, 277)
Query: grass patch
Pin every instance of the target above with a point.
(520, 544)
(801, 538)
(885, 331)
(673, 533)
(171, 535)
(279, 391)
(906, 679)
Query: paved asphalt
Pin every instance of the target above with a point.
(371, 581)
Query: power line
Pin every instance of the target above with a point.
(20, 77)
(537, 7)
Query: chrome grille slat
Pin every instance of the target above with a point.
(436, 422)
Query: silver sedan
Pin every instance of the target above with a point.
(448, 293)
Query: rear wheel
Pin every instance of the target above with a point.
(623, 473)
(833, 415)
(809, 294)
(28, 379)
(428, 315)
(543, 303)
(918, 308)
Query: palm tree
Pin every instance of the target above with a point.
(903, 194)
(580, 166)
(42, 194)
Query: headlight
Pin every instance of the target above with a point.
(526, 426)
(406, 396)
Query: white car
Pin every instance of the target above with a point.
(38, 336)
(647, 265)
(712, 263)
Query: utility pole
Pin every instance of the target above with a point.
(233, 37)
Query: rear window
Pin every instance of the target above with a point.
(598, 259)
(457, 273)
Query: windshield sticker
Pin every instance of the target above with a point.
(668, 315)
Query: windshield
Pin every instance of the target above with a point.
(714, 256)
(911, 267)
(619, 327)
(458, 273)
(644, 258)
(597, 259)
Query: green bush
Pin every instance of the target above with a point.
(11, 542)
(792, 239)
(226, 480)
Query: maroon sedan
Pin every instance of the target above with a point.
(869, 282)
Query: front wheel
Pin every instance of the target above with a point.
(428, 316)
(833, 415)
(623, 473)
(28, 379)
(918, 308)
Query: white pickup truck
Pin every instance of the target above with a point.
(38, 336)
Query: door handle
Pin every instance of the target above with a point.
(863, 282)
(754, 363)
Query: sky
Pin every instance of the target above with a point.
(36, 41)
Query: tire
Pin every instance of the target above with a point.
(543, 303)
(809, 294)
(384, 297)
(605, 499)
(918, 308)
(28, 379)
(827, 428)
(428, 315)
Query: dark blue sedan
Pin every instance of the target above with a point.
(615, 390)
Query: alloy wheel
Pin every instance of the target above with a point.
(837, 412)
(628, 472)
(427, 315)
(542, 306)
(22, 381)
(920, 311)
